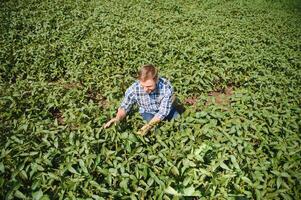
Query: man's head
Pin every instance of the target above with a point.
(148, 77)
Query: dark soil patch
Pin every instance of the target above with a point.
(191, 100)
(57, 114)
(220, 97)
(97, 98)
(72, 85)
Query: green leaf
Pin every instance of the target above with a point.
(247, 180)
(37, 195)
(285, 174)
(96, 197)
(224, 166)
(53, 176)
(190, 191)
(204, 171)
(155, 178)
(19, 195)
(99, 187)
(279, 181)
(200, 114)
(234, 162)
(2, 169)
(286, 196)
(187, 180)
(83, 166)
(72, 170)
(170, 190)
(45, 197)
(150, 181)
(124, 183)
(23, 175)
(175, 171)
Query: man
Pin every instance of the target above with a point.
(154, 96)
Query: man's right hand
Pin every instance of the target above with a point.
(109, 123)
(121, 113)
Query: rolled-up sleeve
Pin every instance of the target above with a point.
(128, 100)
(165, 105)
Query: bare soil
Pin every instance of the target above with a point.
(98, 98)
(220, 97)
(191, 100)
(57, 114)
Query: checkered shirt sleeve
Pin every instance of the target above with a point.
(128, 100)
(166, 102)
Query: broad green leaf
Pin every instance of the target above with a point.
(99, 187)
(175, 171)
(2, 169)
(155, 178)
(190, 191)
(187, 180)
(279, 181)
(204, 171)
(19, 195)
(170, 190)
(83, 166)
(234, 162)
(247, 180)
(124, 183)
(72, 170)
(150, 181)
(37, 195)
(224, 166)
(285, 174)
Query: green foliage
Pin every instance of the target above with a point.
(64, 67)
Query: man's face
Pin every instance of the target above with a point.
(148, 85)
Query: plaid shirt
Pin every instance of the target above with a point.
(158, 102)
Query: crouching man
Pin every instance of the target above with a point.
(154, 96)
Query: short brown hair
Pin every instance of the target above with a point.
(147, 72)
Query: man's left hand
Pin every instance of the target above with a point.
(144, 130)
(147, 127)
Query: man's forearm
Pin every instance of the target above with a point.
(155, 120)
(121, 113)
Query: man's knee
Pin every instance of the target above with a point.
(147, 116)
(172, 114)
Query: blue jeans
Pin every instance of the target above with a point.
(172, 114)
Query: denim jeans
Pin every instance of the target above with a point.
(172, 114)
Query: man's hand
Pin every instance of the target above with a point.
(109, 123)
(144, 130)
(119, 116)
(147, 127)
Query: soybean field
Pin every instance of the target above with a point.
(234, 64)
